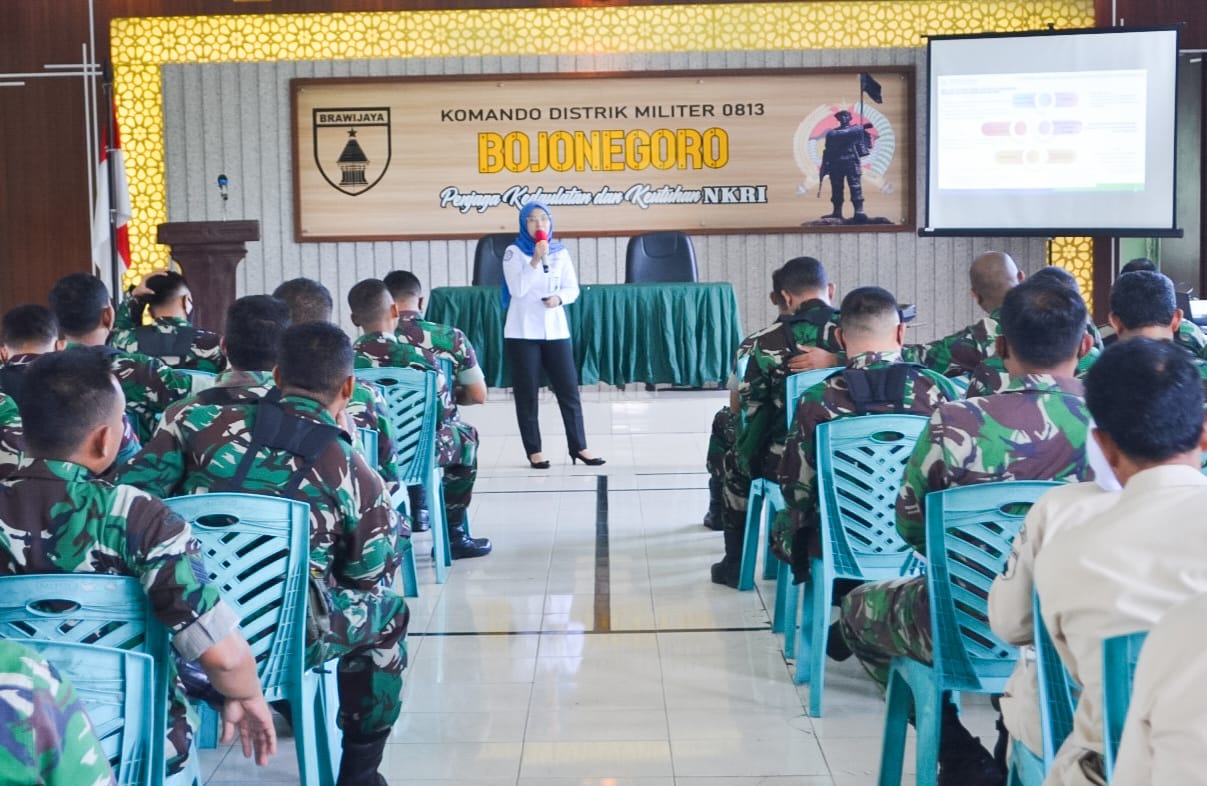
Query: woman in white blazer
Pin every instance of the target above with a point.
(538, 281)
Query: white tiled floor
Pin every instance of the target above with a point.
(690, 688)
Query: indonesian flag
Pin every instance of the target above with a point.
(100, 222)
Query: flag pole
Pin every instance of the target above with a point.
(110, 145)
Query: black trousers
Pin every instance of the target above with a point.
(528, 358)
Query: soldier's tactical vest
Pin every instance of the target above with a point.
(879, 388)
(277, 429)
(157, 344)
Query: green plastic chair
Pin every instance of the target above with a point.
(257, 552)
(787, 595)
(765, 498)
(414, 409)
(860, 463)
(98, 610)
(115, 686)
(1119, 656)
(969, 531)
(410, 578)
(1057, 703)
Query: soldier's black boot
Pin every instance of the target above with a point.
(726, 571)
(963, 761)
(420, 518)
(836, 213)
(714, 519)
(462, 546)
(360, 761)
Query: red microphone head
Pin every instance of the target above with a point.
(540, 235)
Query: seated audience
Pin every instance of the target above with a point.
(1166, 730)
(1144, 305)
(293, 446)
(1142, 556)
(1189, 335)
(254, 326)
(170, 337)
(81, 305)
(375, 312)
(48, 737)
(1035, 429)
(809, 320)
(448, 344)
(30, 331)
(60, 518)
(725, 422)
(875, 381)
(990, 375)
(309, 301)
(991, 275)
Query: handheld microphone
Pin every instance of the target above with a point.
(223, 182)
(538, 237)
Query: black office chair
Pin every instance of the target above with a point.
(488, 259)
(657, 257)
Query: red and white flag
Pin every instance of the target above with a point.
(100, 222)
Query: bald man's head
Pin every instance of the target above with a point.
(992, 275)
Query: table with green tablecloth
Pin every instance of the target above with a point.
(679, 334)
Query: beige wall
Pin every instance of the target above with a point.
(234, 119)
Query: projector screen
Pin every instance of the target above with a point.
(1052, 133)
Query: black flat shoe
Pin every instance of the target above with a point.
(538, 464)
(590, 462)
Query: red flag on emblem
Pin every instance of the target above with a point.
(101, 254)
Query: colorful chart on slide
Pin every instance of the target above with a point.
(1067, 131)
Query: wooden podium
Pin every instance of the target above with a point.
(208, 253)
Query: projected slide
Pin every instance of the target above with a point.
(1066, 131)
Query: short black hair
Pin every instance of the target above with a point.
(368, 300)
(868, 309)
(29, 324)
(802, 274)
(76, 391)
(403, 284)
(308, 300)
(1055, 275)
(1043, 324)
(1137, 265)
(254, 326)
(1143, 299)
(78, 301)
(164, 287)
(1147, 395)
(316, 357)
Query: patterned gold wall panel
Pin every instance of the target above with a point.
(141, 45)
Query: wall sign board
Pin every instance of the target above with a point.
(412, 158)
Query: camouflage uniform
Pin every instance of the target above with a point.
(962, 351)
(795, 536)
(725, 422)
(204, 353)
(1190, 336)
(355, 540)
(12, 436)
(1035, 429)
(762, 425)
(56, 518)
(366, 409)
(150, 388)
(48, 737)
(456, 440)
(991, 376)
